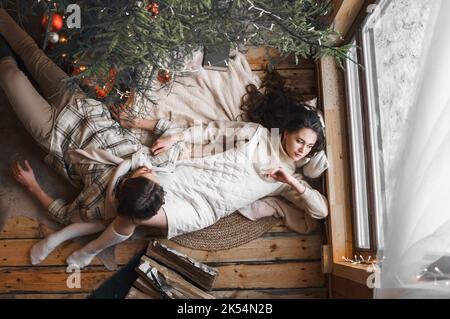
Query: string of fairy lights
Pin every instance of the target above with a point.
(118, 42)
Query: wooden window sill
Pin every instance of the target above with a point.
(355, 272)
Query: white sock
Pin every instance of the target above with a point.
(43, 248)
(83, 257)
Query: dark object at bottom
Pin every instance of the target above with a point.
(118, 285)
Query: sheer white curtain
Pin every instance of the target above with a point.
(418, 217)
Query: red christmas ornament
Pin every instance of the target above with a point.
(108, 86)
(57, 22)
(164, 76)
(152, 7)
(101, 93)
(78, 69)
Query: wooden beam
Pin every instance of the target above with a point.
(338, 174)
(339, 190)
(335, 6)
(357, 273)
(346, 15)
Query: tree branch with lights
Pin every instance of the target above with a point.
(121, 44)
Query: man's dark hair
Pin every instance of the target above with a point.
(139, 198)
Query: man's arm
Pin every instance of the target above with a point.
(128, 120)
(146, 125)
(25, 176)
(59, 209)
(213, 132)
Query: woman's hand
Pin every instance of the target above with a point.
(124, 117)
(280, 175)
(24, 175)
(164, 143)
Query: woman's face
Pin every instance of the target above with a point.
(298, 144)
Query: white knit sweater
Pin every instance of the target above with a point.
(201, 191)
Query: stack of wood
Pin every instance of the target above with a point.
(165, 273)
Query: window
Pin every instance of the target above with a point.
(358, 158)
(388, 36)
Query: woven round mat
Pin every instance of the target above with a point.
(231, 231)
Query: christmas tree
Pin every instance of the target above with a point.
(121, 44)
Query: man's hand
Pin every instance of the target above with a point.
(124, 117)
(162, 144)
(24, 175)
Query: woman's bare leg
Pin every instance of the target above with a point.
(43, 248)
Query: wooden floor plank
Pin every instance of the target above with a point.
(15, 252)
(242, 276)
(276, 275)
(49, 279)
(268, 248)
(45, 296)
(305, 293)
(24, 227)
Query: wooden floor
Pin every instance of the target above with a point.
(280, 264)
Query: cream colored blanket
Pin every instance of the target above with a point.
(204, 96)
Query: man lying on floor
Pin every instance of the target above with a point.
(120, 184)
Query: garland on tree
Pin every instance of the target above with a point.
(121, 44)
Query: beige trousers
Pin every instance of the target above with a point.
(37, 113)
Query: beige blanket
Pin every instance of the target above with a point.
(203, 96)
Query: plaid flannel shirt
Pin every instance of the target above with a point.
(86, 124)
